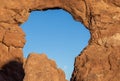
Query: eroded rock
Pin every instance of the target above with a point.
(39, 68)
(99, 61)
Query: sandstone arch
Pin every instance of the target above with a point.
(99, 61)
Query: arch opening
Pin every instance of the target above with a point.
(57, 34)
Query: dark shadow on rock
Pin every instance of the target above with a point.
(12, 71)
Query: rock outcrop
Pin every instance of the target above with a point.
(99, 61)
(39, 68)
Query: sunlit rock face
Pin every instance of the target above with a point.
(99, 61)
(39, 68)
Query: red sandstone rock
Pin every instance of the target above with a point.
(99, 61)
(39, 68)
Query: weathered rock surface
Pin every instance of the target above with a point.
(39, 68)
(99, 61)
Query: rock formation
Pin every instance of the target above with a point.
(40, 68)
(99, 61)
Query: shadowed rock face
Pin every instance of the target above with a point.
(99, 61)
(12, 71)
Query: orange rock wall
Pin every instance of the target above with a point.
(99, 61)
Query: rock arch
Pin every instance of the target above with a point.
(99, 61)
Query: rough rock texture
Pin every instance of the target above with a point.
(99, 61)
(39, 68)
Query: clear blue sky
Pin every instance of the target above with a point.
(57, 34)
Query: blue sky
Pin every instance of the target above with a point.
(57, 34)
